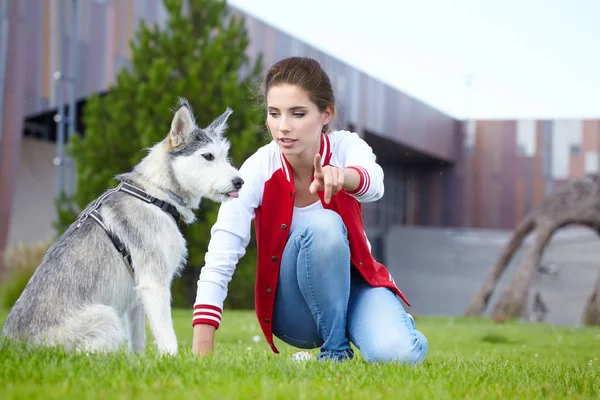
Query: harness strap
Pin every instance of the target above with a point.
(140, 194)
(135, 192)
(95, 215)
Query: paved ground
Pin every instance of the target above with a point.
(440, 270)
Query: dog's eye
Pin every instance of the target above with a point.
(208, 156)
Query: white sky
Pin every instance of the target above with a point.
(531, 58)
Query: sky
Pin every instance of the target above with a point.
(527, 58)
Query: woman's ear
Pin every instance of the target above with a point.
(328, 115)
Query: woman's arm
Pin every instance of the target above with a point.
(229, 237)
(204, 339)
(351, 180)
(365, 182)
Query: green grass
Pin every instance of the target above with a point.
(468, 359)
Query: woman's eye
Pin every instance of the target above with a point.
(273, 114)
(299, 115)
(208, 156)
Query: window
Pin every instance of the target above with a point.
(526, 138)
(591, 162)
(566, 137)
(469, 138)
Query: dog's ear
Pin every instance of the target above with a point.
(182, 125)
(219, 125)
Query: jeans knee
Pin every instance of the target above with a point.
(398, 350)
(327, 230)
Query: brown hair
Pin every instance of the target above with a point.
(308, 74)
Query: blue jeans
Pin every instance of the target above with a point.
(321, 301)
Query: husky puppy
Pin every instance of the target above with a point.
(114, 265)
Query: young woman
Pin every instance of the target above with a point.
(317, 284)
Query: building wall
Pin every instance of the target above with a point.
(512, 165)
(12, 112)
(33, 212)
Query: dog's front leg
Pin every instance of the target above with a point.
(156, 298)
(136, 328)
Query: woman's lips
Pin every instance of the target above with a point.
(287, 142)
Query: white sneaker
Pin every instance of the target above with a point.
(302, 356)
(412, 321)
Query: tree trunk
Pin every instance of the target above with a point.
(514, 299)
(591, 314)
(481, 300)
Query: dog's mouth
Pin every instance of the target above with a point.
(233, 194)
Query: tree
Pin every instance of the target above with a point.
(577, 202)
(591, 313)
(200, 56)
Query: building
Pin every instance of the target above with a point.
(510, 166)
(436, 174)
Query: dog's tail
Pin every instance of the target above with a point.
(93, 328)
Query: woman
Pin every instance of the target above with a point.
(317, 284)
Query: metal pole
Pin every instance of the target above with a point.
(470, 133)
(3, 65)
(547, 150)
(74, 61)
(60, 102)
(468, 147)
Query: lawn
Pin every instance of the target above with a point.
(468, 359)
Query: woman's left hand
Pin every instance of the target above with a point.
(327, 178)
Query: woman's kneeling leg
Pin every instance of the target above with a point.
(314, 286)
(380, 327)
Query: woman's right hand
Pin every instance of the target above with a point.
(204, 339)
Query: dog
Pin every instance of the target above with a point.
(114, 265)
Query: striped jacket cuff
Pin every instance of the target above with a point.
(364, 184)
(207, 314)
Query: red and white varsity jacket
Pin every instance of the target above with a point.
(268, 197)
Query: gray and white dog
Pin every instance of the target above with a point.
(118, 260)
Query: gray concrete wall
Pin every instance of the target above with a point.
(440, 270)
(33, 211)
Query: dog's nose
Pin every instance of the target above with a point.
(237, 183)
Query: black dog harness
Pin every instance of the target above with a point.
(134, 191)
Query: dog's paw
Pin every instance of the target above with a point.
(168, 350)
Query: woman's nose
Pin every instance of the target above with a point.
(284, 126)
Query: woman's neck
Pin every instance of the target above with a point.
(303, 165)
(301, 168)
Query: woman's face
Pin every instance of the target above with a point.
(294, 120)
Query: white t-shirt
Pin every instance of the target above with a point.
(301, 213)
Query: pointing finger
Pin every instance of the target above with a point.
(328, 187)
(318, 163)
